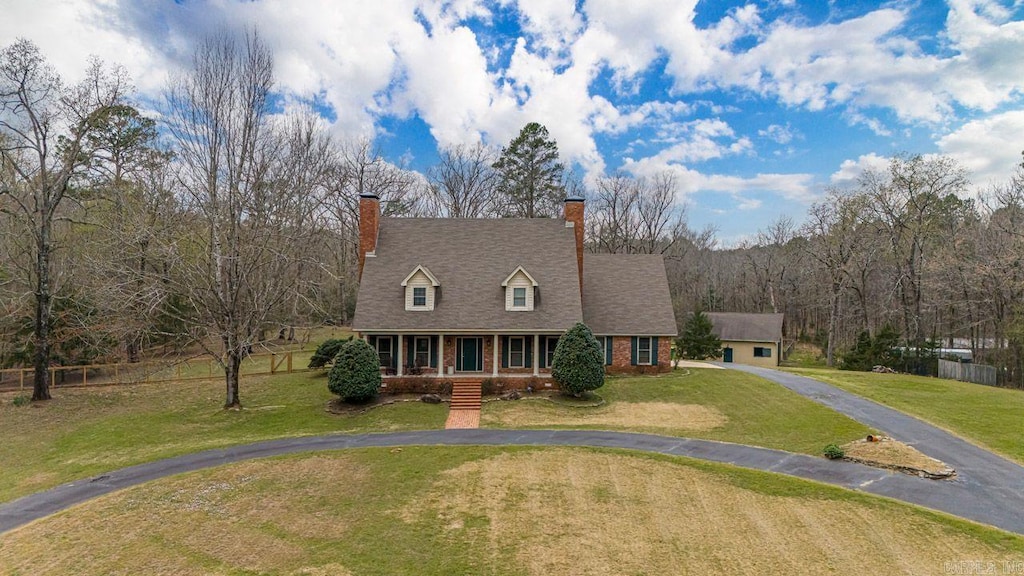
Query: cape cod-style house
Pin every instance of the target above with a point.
(490, 297)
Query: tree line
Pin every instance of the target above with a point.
(227, 218)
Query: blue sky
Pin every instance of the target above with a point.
(755, 107)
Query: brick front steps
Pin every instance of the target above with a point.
(465, 405)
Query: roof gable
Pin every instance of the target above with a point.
(426, 272)
(518, 270)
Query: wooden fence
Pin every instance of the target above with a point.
(977, 373)
(200, 368)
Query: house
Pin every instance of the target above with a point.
(491, 297)
(754, 339)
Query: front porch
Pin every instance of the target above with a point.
(462, 356)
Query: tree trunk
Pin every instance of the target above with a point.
(41, 354)
(232, 367)
(833, 321)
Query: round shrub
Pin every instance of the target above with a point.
(578, 363)
(355, 376)
(833, 452)
(326, 352)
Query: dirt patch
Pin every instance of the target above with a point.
(664, 415)
(566, 512)
(895, 455)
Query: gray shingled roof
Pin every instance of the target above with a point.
(740, 327)
(627, 294)
(470, 258)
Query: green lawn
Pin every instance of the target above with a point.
(746, 409)
(85, 431)
(990, 417)
(500, 511)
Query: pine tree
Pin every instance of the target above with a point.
(530, 175)
(698, 342)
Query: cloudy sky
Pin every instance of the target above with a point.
(757, 107)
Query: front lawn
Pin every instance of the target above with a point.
(86, 431)
(990, 417)
(499, 511)
(706, 403)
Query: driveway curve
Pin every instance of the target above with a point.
(994, 483)
(955, 497)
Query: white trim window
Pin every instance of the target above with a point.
(519, 297)
(643, 350)
(516, 352)
(419, 296)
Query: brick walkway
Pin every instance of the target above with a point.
(463, 419)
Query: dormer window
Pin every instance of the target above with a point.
(518, 297)
(520, 291)
(420, 289)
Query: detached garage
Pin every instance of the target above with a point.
(754, 339)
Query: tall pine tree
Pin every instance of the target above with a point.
(530, 175)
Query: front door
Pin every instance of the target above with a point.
(727, 355)
(469, 355)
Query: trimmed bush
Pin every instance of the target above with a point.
(326, 352)
(355, 376)
(833, 452)
(578, 363)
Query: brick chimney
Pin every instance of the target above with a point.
(369, 222)
(574, 215)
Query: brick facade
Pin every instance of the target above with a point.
(622, 356)
(369, 221)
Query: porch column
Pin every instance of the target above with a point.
(440, 355)
(398, 364)
(536, 355)
(494, 362)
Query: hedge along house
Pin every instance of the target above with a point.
(477, 298)
(754, 339)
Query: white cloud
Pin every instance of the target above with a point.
(989, 148)
(778, 133)
(850, 170)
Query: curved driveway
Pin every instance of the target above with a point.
(988, 488)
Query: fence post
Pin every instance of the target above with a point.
(21, 385)
(273, 362)
(289, 362)
(85, 375)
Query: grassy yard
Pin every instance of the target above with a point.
(85, 431)
(990, 417)
(515, 511)
(701, 403)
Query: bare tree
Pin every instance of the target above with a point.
(45, 130)
(463, 184)
(239, 264)
(912, 203)
(833, 230)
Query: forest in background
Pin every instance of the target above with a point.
(224, 219)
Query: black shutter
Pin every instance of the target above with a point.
(528, 347)
(504, 351)
(608, 350)
(433, 351)
(632, 351)
(654, 351)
